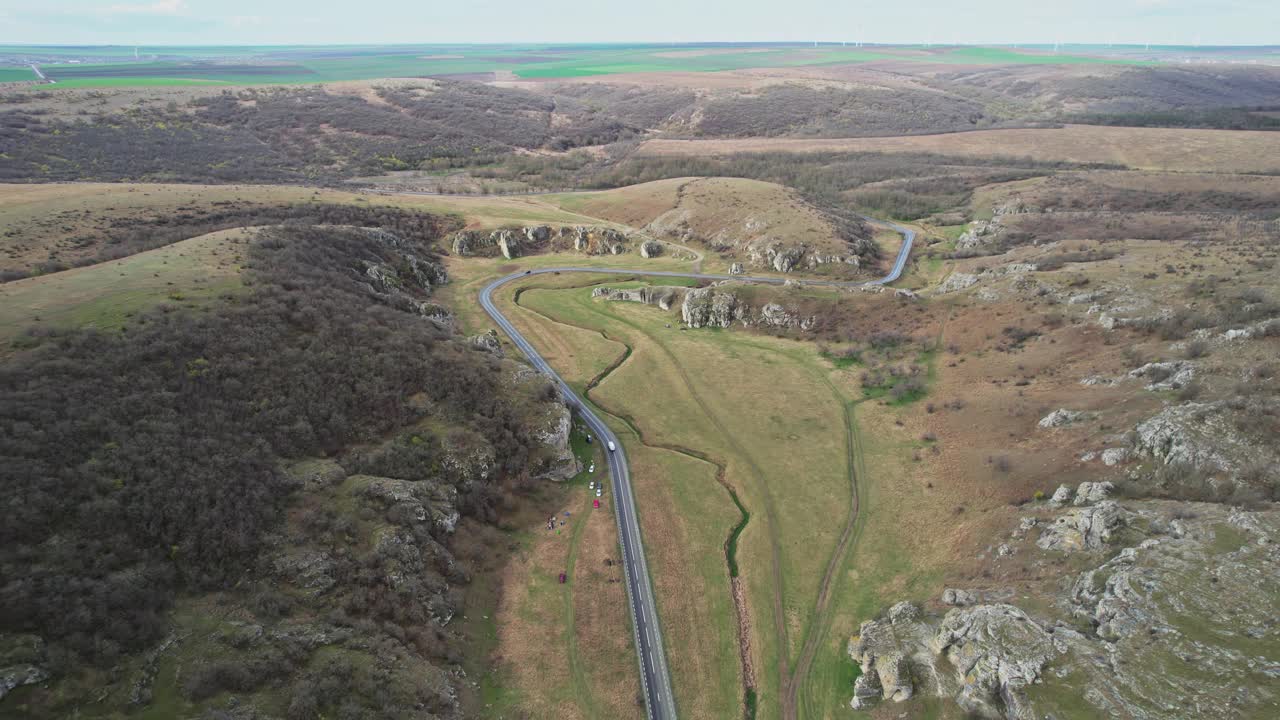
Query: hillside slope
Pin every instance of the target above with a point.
(756, 224)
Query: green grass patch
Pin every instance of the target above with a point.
(1227, 539)
(842, 362)
(106, 295)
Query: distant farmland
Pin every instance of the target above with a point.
(63, 73)
(95, 66)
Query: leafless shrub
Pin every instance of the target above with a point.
(1196, 349)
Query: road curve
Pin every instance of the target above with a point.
(655, 679)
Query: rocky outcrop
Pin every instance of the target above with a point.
(468, 459)
(984, 233)
(955, 282)
(15, 676)
(1084, 529)
(140, 693)
(537, 234)
(1060, 418)
(513, 242)
(471, 242)
(995, 652)
(1263, 329)
(1061, 496)
(424, 274)
(778, 257)
(405, 282)
(981, 656)
(661, 296)
(775, 315)
(1178, 624)
(1201, 591)
(710, 307)
(1091, 493)
(1115, 456)
(509, 244)
(958, 598)
(1166, 375)
(427, 504)
(1198, 434)
(308, 570)
(886, 650)
(560, 463)
(507, 241)
(650, 249)
(596, 240)
(736, 269)
(487, 342)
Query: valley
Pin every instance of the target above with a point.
(754, 382)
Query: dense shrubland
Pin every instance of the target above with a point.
(117, 237)
(1216, 118)
(296, 135)
(900, 185)
(142, 464)
(796, 110)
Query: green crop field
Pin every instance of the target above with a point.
(117, 66)
(16, 74)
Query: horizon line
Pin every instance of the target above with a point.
(663, 43)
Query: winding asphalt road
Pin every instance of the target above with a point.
(655, 680)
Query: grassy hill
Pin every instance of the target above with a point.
(105, 295)
(739, 220)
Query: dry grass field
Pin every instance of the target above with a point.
(1143, 148)
(565, 650)
(730, 218)
(785, 464)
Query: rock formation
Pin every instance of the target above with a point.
(982, 656)
(1166, 375)
(956, 281)
(597, 240)
(1196, 434)
(488, 342)
(561, 463)
(1060, 418)
(1174, 625)
(662, 296)
(513, 242)
(1084, 528)
(710, 307)
(984, 233)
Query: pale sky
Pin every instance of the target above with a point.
(238, 22)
